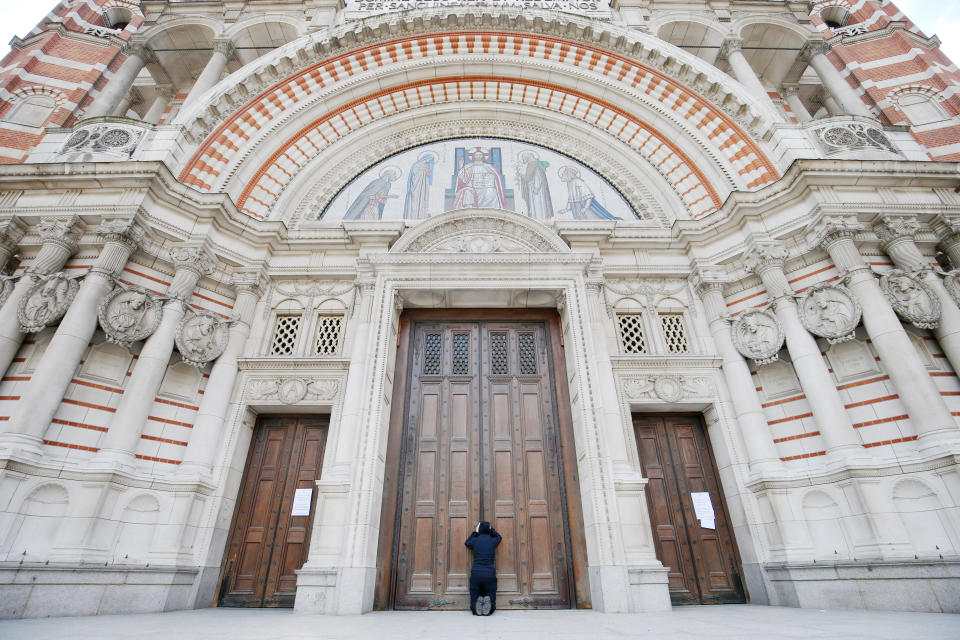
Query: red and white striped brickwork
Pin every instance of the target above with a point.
(901, 61)
(92, 398)
(59, 60)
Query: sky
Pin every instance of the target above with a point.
(934, 17)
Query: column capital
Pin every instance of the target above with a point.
(831, 229)
(708, 279)
(64, 232)
(11, 233)
(250, 279)
(192, 258)
(893, 228)
(140, 49)
(789, 90)
(763, 255)
(730, 45)
(814, 48)
(224, 46)
(124, 232)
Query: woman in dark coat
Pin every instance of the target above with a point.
(483, 576)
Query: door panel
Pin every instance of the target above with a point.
(480, 443)
(703, 563)
(268, 544)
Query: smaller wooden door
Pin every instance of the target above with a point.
(267, 543)
(703, 564)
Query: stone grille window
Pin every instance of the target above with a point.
(526, 346)
(631, 333)
(285, 335)
(329, 334)
(431, 354)
(498, 354)
(461, 354)
(674, 332)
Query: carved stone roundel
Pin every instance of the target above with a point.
(46, 302)
(128, 315)
(950, 283)
(830, 311)
(912, 298)
(201, 337)
(758, 335)
(6, 288)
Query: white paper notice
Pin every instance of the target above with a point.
(704, 509)
(301, 502)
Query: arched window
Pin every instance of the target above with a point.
(32, 111)
(836, 16)
(920, 108)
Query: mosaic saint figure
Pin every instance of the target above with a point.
(532, 177)
(581, 202)
(418, 187)
(478, 184)
(369, 204)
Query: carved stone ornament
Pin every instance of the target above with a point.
(201, 337)
(104, 138)
(830, 311)
(6, 287)
(669, 388)
(912, 298)
(46, 302)
(851, 136)
(949, 282)
(129, 314)
(294, 390)
(758, 335)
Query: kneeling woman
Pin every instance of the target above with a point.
(483, 576)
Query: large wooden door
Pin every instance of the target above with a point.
(703, 563)
(480, 443)
(267, 543)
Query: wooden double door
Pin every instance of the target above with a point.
(268, 544)
(480, 441)
(704, 567)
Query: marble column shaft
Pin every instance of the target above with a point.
(928, 412)
(59, 243)
(63, 354)
(835, 84)
(818, 385)
(120, 442)
(762, 452)
(212, 71)
(742, 70)
(159, 106)
(208, 426)
(797, 108)
(119, 85)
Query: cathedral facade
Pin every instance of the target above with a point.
(296, 292)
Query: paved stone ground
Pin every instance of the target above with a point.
(729, 621)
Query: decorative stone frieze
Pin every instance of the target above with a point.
(129, 314)
(331, 288)
(830, 311)
(912, 298)
(757, 335)
(291, 390)
(46, 302)
(485, 231)
(201, 337)
(103, 141)
(669, 387)
(840, 137)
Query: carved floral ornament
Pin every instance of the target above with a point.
(6, 287)
(830, 311)
(912, 298)
(669, 388)
(129, 314)
(294, 389)
(758, 335)
(201, 337)
(949, 282)
(46, 301)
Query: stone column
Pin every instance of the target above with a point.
(59, 242)
(222, 50)
(761, 451)
(896, 238)
(208, 426)
(928, 412)
(120, 111)
(742, 71)
(950, 239)
(815, 53)
(159, 105)
(120, 84)
(791, 93)
(10, 235)
(766, 259)
(59, 363)
(118, 447)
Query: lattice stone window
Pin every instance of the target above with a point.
(674, 332)
(630, 326)
(285, 335)
(329, 335)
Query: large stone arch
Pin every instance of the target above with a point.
(255, 150)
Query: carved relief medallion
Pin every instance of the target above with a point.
(949, 282)
(669, 387)
(758, 335)
(294, 390)
(912, 298)
(6, 287)
(201, 337)
(46, 302)
(129, 314)
(830, 311)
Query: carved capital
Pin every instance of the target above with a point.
(194, 259)
(250, 279)
(59, 231)
(729, 46)
(11, 232)
(812, 49)
(708, 278)
(892, 228)
(124, 232)
(789, 90)
(139, 49)
(764, 255)
(224, 46)
(830, 229)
